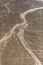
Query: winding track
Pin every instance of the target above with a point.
(37, 61)
(10, 33)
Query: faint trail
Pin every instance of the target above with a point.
(21, 27)
(6, 6)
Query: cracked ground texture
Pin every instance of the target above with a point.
(14, 53)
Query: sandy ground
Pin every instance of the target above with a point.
(14, 53)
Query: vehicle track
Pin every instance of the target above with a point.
(21, 26)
